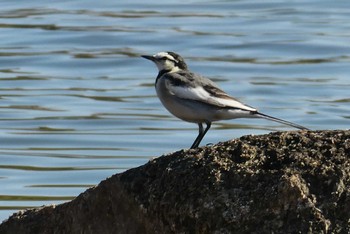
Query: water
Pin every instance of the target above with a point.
(77, 103)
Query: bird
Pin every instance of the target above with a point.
(197, 99)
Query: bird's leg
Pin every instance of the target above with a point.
(199, 138)
(201, 134)
(206, 129)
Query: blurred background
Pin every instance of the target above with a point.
(77, 103)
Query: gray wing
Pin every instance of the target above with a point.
(188, 85)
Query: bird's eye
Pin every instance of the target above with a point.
(163, 58)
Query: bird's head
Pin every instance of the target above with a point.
(167, 61)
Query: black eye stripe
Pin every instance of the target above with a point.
(166, 58)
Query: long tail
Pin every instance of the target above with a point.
(268, 117)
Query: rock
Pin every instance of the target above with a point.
(282, 182)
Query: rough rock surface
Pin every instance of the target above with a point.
(283, 182)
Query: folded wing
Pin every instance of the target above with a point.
(206, 93)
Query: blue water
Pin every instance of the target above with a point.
(77, 103)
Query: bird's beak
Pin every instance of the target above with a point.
(149, 57)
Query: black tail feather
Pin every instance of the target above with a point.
(268, 117)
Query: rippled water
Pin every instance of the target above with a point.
(77, 103)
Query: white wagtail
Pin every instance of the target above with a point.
(194, 98)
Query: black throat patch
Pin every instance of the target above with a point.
(160, 74)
